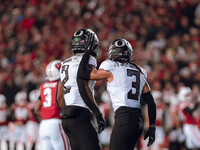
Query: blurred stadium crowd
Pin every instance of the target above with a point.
(165, 35)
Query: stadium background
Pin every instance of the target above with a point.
(165, 35)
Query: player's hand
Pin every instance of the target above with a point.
(89, 42)
(91, 45)
(151, 134)
(101, 123)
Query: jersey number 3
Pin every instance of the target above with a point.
(48, 97)
(135, 85)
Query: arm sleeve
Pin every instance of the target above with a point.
(148, 98)
(92, 106)
(84, 74)
(83, 71)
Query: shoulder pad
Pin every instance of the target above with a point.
(67, 60)
(143, 71)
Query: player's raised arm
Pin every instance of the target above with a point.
(91, 74)
(84, 74)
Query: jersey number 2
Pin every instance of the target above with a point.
(66, 89)
(135, 85)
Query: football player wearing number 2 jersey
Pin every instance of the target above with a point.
(126, 84)
(76, 113)
(51, 133)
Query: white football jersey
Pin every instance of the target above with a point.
(68, 77)
(127, 85)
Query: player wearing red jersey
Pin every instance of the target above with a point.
(51, 133)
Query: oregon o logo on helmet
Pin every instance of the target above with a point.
(120, 43)
(78, 33)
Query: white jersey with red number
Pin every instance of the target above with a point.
(20, 116)
(128, 83)
(21, 113)
(49, 107)
(68, 76)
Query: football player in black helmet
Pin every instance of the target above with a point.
(80, 39)
(127, 85)
(120, 50)
(75, 97)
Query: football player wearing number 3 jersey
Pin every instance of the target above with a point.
(126, 84)
(51, 133)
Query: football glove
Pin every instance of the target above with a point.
(151, 134)
(91, 44)
(101, 123)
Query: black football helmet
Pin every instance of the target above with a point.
(120, 50)
(79, 40)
